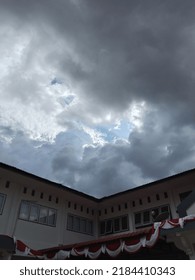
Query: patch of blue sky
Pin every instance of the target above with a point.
(108, 135)
(123, 129)
(113, 132)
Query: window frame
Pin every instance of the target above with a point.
(150, 222)
(32, 205)
(3, 196)
(111, 230)
(71, 225)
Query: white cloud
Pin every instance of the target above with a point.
(96, 136)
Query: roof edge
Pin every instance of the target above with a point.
(150, 184)
(35, 177)
(147, 185)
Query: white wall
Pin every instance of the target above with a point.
(40, 236)
(35, 235)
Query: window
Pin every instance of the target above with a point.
(164, 209)
(76, 224)
(2, 202)
(70, 222)
(43, 215)
(147, 217)
(36, 213)
(155, 212)
(102, 228)
(117, 224)
(51, 217)
(83, 225)
(79, 224)
(137, 218)
(114, 225)
(89, 227)
(109, 226)
(24, 211)
(124, 223)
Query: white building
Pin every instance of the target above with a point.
(39, 214)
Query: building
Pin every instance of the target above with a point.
(43, 219)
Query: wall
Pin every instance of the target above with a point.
(40, 236)
(35, 235)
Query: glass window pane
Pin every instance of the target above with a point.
(154, 213)
(137, 218)
(83, 225)
(124, 223)
(146, 217)
(33, 213)
(70, 222)
(108, 226)
(52, 217)
(24, 211)
(164, 209)
(89, 227)
(116, 224)
(76, 224)
(102, 227)
(2, 201)
(43, 215)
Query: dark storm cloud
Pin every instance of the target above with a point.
(101, 171)
(137, 49)
(113, 53)
(155, 152)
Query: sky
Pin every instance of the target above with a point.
(98, 95)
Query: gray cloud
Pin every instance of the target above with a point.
(107, 56)
(155, 151)
(120, 52)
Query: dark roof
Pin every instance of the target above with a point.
(160, 181)
(35, 177)
(16, 170)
